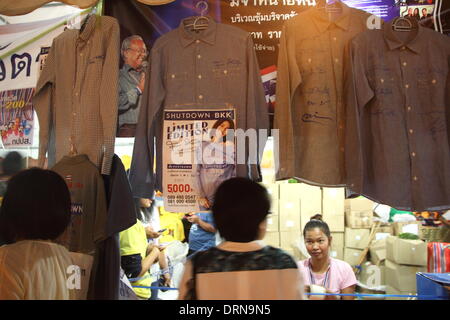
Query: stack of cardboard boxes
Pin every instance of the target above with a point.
(358, 221)
(297, 202)
(404, 258)
(333, 203)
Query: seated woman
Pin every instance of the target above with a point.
(336, 276)
(35, 212)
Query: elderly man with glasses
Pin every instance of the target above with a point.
(131, 84)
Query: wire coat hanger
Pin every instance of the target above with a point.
(403, 24)
(197, 24)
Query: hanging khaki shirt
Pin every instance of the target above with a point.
(89, 213)
(76, 94)
(398, 150)
(309, 112)
(215, 67)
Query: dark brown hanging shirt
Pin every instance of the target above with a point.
(309, 107)
(398, 149)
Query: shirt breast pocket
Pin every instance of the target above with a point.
(226, 72)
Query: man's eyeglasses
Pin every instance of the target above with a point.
(141, 51)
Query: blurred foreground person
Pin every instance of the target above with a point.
(241, 268)
(35, 212)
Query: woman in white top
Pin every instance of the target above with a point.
(34, 213)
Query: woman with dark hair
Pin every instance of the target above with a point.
(333, 275)
(215, 160)
(241, 267)
(34, 214)
(416, 14)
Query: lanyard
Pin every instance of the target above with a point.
(311, 277)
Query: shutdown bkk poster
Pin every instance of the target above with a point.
(199, 153)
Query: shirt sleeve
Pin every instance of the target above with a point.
(348, 276)
(257, 109)
(43, 102)
(109, 95)
(142, 176)
(101, 212)
(288, 79)
(357, 93)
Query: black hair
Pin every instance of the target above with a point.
(317, 222)
(36, 205)
(218, 123)
(12, 163)
(147, 211)
(240, 205)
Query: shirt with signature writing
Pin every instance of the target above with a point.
(398, 150)
(309, 109)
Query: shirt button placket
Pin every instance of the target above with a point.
(409, 115)
(198, 83)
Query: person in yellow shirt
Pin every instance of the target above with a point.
(138, 256)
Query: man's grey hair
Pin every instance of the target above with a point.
(126, 43)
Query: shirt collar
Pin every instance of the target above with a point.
(322, 22)
(394, 43)
(208, 35)
(241, 246)
(88, 28)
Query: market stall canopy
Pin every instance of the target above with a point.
(19, 7)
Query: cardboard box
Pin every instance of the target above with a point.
(273, 189)
(402, 277)
(378, 251)
(272, 239)
(308, 197)
(290, 191)
(290, 215)
(407, 227)
(359, 204)
(273, 223)
(351, 256)
(363, 219)
(289, 238)
(356, 238)
(371, 275)
(392, 291)
(383, 232)
(409, 252)
(333, 208)
(388, 228)
(337, 245)
(311, 203)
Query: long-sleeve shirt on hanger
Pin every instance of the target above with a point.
(76, 94)
(190, 70)
(398, 150)
(309, 112)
